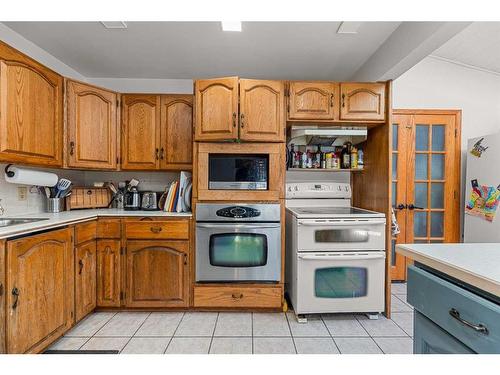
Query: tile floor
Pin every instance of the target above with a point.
(245, 333)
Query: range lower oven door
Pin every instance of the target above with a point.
(339, 282)
(239, 252)
(340, 234)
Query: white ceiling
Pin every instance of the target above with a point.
(169, 50)
(478, 45)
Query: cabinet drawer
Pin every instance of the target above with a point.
(85, 232)
(437, 298)
(237, 297)
(108, 228)
(154, 229)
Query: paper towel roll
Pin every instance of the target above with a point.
(31, 177)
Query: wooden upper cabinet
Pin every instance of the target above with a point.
(216, 116)
(140, 131)
(31, 111)
(262, 110)
(157, 274)
(176, 147)
(108, 273)
(362, 101)
(91, 127)
(85, 279)
(40, 290)
(313, 101)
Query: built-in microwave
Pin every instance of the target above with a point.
(238, 171)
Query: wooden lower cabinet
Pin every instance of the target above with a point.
(157, 274)
(40, 290)
(108, 273)
(223, 296)
(85, 279)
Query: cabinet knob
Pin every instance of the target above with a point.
(331, 100)
(71, 148)
(157, 154)
(242, 124)
(237, 295)
(343, 100)
(15, 293)
(162, 153)
(80, 265)
(234, 119)
(156, 229)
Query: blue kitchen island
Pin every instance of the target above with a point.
(455, 290)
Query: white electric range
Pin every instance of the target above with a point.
(335, 252)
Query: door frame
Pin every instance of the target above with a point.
(457, 113)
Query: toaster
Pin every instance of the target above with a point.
(149, 201)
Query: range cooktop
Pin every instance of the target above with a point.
(332, 212)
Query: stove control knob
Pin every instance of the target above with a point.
(289, 188)
(296, 188)
(339, 188)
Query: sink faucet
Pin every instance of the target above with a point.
(2, 210)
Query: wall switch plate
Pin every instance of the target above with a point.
(22, 193)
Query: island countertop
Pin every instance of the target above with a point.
(477, 264)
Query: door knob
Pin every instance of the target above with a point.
(413, 207)
(401, 206)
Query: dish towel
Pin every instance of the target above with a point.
(394, 224)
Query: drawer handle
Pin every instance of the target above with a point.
(476, 327)
(237, 295)
(155, 229)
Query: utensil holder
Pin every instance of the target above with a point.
(55, 205)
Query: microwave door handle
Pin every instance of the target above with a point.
(340, 223)
(339, 257)
(238, 226)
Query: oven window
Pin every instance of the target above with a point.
(340, 282)
(341, 235)
(238, 250)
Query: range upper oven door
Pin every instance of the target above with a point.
(340, 282)
(340, 234)
(238, 252)
(238, 171)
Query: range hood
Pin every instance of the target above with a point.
(326, 136)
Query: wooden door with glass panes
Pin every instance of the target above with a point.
(425, 179)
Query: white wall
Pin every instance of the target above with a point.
(438, 84)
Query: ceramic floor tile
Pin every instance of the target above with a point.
(380, 327)
(69, 343)
(315, 345)
(395, 345)
(398, 304)
(146, 345)
(105, 343)
(313, 328)
(160, 324)
(405, 321)
(197, 324)
(189, 345)
(357, 345)
(270, 324)
(90, 325)
(231, 345)
(123, 324)
(344, 325)
(273, 345)
(398, 288)
(234, 324)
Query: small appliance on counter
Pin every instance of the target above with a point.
(132, 199)
(149, 201)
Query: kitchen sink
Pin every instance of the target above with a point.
(8, 221)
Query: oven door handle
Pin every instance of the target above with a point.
(340, 223)
(340, 257)
(238, 226)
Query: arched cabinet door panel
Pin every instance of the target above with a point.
(262, 110)
(85, 279)
(108, 273)
(157, 274)
(362, 101)
(313, 101)
(216, 116)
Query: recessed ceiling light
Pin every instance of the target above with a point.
(231, 25)
(114, 24)
(349, 27)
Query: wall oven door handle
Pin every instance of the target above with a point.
(340, 223)
(342, 257)
(238, 226)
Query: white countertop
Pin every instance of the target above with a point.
(477, 264)
(71, 217)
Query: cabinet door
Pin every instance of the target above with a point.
(141, 132)
(31, 111)
(362, 101)
(39, 285)
(313, 101)
(85, 279)
(176, 150)
(108, 273)
(216, 115)
(157, 274)
(262, 106)
(91, 127)
(2, 296)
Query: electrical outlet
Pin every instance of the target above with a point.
(22, 193)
